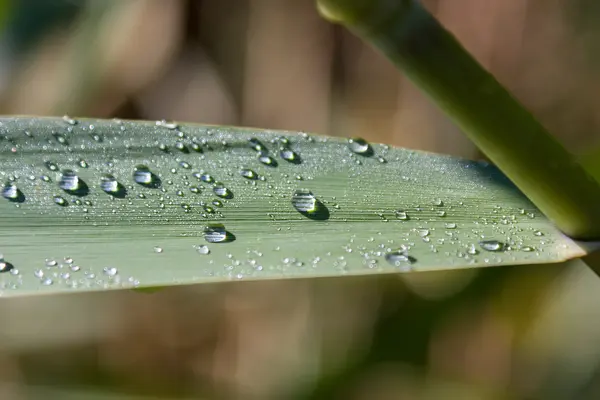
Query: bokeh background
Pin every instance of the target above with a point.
(527, 332)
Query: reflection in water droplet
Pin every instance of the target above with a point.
(143, 176)
(399, 258)
(360, 146)
(492, 245)
(216, 233)
(11, 192)
(308, 205)
(110, 185)
(72, 184)
(249, 174)
(220, 190)
(59, 200)
(203, 249)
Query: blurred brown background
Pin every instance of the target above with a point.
(510, 333)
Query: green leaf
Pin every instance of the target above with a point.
(376, 209)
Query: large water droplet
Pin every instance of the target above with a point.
(11, 192)
(492, 245)
(221, 191)
(308, 205)
(72, 184)
(110, 185)
(360, 146)
(216, 233)
(143, 176)
(5, 266)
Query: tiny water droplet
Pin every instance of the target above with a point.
(472, 250)
(69, 120)
(492, 245)
(256, 145)
(527, 248)
(167, 124)
(450, 225)
(83, 164)
(185, 165)
(538, 233)
(158, 249)
(360, 146)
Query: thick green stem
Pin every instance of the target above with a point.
(507, 133)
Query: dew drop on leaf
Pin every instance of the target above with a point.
(492, 245)
(216, 233)
(360, 146)
(249, 174)
(399, 258)
(223, 192)
(308, 205)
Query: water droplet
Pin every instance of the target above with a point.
(158, 249)
(217, 203)
(11, 192)
(538, 233)
(47, 281)
(167, 124)
(83, 164)
(267, 160)
(308, 205)
(256, 145)
(185, 165)
(51, 166)
(450, 225)
(527, 248)
(423, 232)
(399, 258)
(220, 190)
(72, 184)
(438, 202)
(59, 200)
(110, 185)
(492, 245)
(5, 266)
(182, 147)
(249, 174)
(402, 215)
(206, 178)
(143, 176)
(60, 138)
(69, 120)
(472, 250)
(290, 156)
(38, 273)
(216, 233)
(360, 146)
(203, 249)
(110, 271)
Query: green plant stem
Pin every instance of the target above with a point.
(505, 131)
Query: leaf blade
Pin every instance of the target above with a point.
(151, 235)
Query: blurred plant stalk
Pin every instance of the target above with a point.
(484, 110)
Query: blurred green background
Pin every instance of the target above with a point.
(528, 332)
